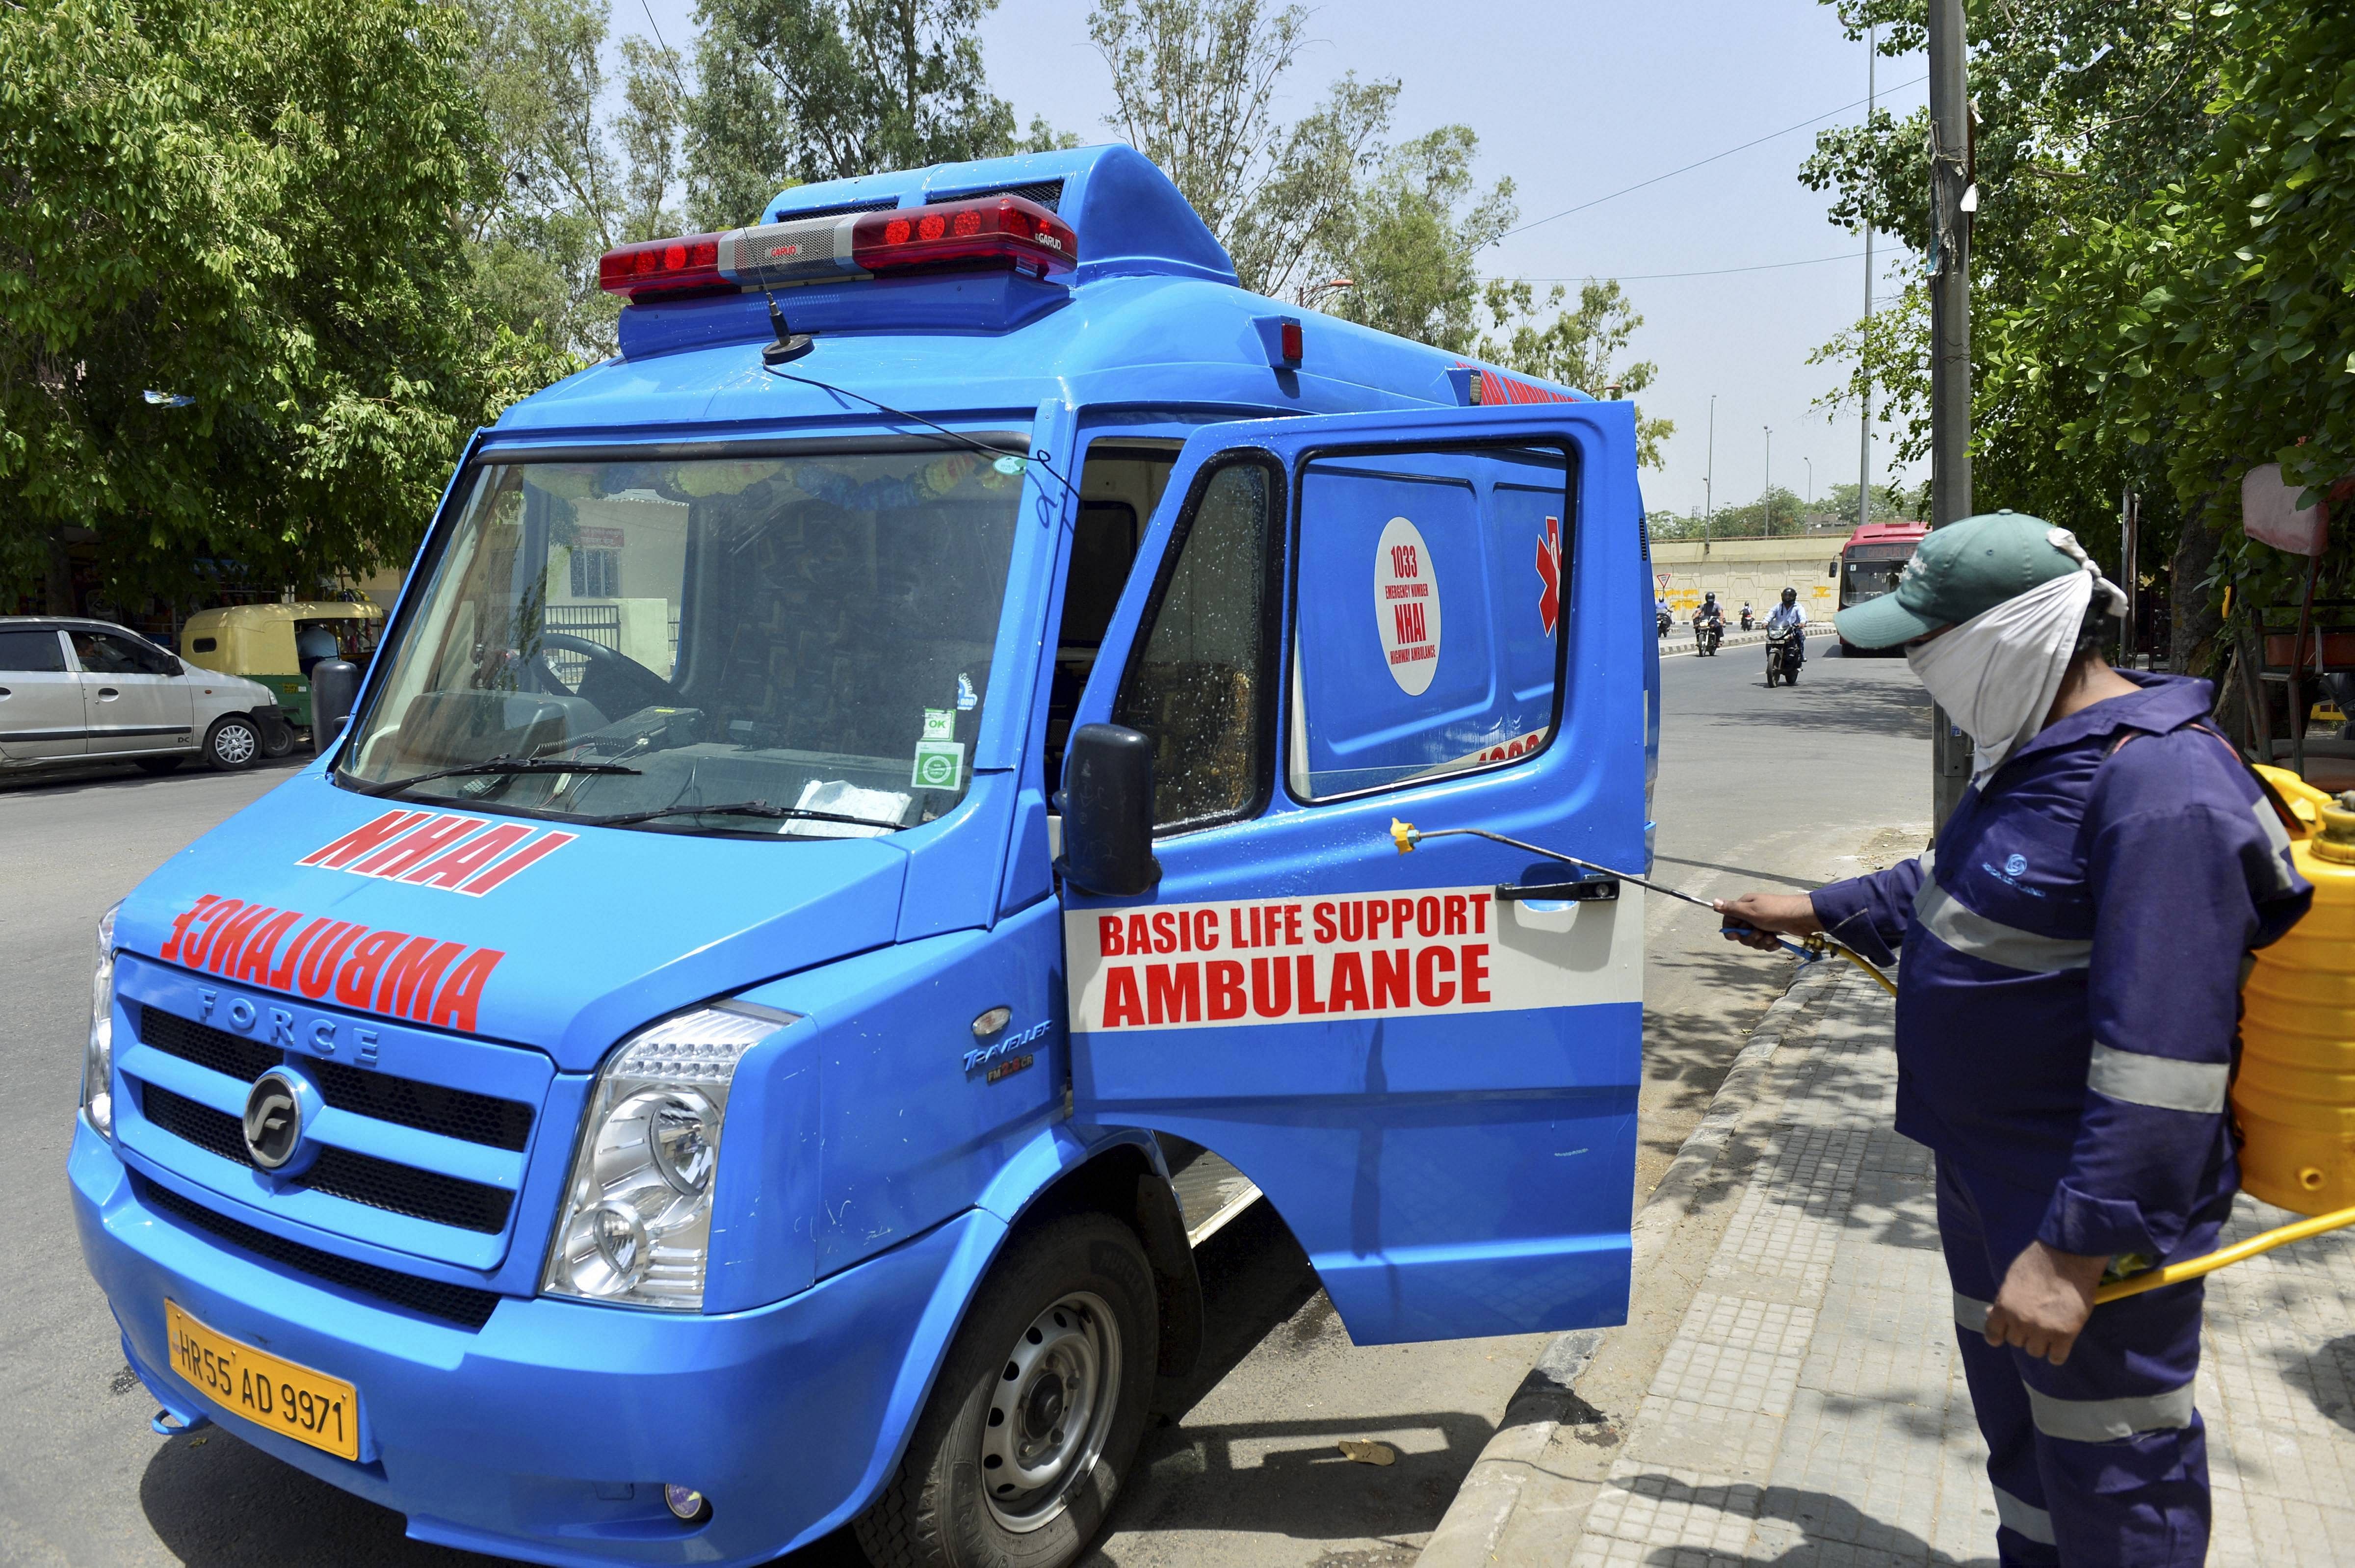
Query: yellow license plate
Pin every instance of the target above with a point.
(308, 1406)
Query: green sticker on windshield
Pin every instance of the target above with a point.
(939, 725)
(1008, 464)
(940, 764)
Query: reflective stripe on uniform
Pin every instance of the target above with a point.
(1971, 1313)
(2279, 863)
(1980, 937)
(2162, 1082)
(2107, 1420)
(2023, 1519)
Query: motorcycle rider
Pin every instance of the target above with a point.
(1747, 619)
(1661, 614)
(1788, 614)
(1710, 615)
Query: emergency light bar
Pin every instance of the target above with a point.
(991, 230)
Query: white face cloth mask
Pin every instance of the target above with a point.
(1997, 674)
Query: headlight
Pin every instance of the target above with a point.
(636, 1225)
(98, 1058)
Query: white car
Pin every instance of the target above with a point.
(85, 691)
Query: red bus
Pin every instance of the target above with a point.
(1870, 561)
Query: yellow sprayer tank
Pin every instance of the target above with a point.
(2294, 1097)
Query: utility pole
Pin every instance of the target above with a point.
(1953, 198)
(1864, 400)
(1811, 480)
(1767, 500)
(1708, 479)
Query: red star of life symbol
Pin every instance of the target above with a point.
(1550, 574)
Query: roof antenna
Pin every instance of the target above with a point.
(790, 344)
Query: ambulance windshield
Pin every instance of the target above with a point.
(803, 638)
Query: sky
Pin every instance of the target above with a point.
(1574, 100)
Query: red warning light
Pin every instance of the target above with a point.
(1006, 229)
(662, 269)
(1291, 337)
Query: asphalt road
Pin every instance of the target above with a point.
(1783, 788)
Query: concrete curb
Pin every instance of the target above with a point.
(1734, 639)
(1548, 1399)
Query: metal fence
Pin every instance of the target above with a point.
(598, 623)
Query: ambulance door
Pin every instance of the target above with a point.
(1337, 622)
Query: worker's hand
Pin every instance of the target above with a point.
(2046, 1298)
(1764, 915)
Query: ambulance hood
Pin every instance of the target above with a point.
(560, 937)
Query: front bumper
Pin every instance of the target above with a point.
(546, 1434)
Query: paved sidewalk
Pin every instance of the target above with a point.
(1809, 1406)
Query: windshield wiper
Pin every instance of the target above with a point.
(741, 809)
(498, 766)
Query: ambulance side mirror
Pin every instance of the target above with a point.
(1108, 812)
(335, 687)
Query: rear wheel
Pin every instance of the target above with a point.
(277, 735)
(1029, 1432)
(232, 743)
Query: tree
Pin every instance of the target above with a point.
(797, 91)
(560, 197)
(247, 203)
(1891, 503)
(1410, 242)
(1576, 347)
(2084, 107)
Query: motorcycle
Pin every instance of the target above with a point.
(1783, 657)
(1707, 635)
(1667, 621)
(1747, 619)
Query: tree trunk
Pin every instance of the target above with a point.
(2193, 649)
(58, 585)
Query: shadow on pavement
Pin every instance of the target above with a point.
(1831, 1530)
(64, 780)
(1899, 707)
(1687, 1054)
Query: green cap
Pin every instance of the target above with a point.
(1960, 570)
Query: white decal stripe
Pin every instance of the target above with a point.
(1318, 959)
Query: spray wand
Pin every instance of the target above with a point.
(1406, 836)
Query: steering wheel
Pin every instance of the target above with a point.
(627, 684)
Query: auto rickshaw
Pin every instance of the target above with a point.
(278, 644)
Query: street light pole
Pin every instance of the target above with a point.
(1767, 500)
(1708, 479)
(1864, 379)
(1811, 479)
(1952, 198)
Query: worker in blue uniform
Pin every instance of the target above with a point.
(2067, 1026)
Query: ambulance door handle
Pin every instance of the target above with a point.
(105, 691)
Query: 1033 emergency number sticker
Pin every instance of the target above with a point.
(1406, 953)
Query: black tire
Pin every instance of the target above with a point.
(1770, 677)
(277, 734)
(1790, 677)
(159, 766)
(937, 1511)
(232, 744)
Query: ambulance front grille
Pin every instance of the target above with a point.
(340, 1172)
(463, 1304)
(428, 1108)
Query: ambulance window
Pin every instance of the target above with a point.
(1202, 681)
(1433, 591)
(1119, 487)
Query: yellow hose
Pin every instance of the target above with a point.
(1821, 944)
(2192, 1268)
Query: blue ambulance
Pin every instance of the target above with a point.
(866, 838)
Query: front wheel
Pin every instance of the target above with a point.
(1029, 1432)
(232, 744)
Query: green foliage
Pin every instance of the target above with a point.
(2212, 323)
(249, 203)
(798, 90)
(1576, 347)
(2084, 106)
(1891, 503)
(1410, 242)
